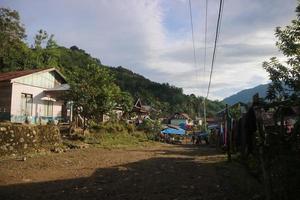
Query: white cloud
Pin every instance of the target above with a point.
(153, 37)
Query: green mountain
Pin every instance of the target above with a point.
(162, 96)
(246, 95)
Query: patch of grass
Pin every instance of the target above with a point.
(118, 140)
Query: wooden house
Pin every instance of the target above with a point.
(181, 118)
(33, 96)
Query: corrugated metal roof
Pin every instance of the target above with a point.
(7, 76)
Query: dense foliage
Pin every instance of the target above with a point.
(164, 97)
(78, 66)
(286, 78)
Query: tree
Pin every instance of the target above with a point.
(14, 53)
(125, 101)
(286, 78)
(93, 92)
(51, 43)
(10, 25)
(39, 38)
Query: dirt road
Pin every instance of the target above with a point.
(160, 172)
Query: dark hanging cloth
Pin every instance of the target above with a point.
(239, 133)
(250, 126)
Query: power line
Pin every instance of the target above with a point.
(214, 51)
(204, 60)
(205, 37)
(193, 38)
(215, 44)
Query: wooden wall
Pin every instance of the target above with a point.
(5, 100)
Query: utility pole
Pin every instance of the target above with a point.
(228, 133)
(204, 113)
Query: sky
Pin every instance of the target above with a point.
(153, 37)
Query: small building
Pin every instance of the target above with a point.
(33, 96)
(142, 111)
(181, 118)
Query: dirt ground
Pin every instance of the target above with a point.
(158, 172)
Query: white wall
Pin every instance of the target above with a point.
(38, 104)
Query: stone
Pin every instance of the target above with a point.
(11, 131)
(21, 140)
(3, 147)
(28, 135)
(25, 146)
(10, 148)
(3, 129)
(57, 150)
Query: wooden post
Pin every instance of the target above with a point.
(228, 136)
(263, 149)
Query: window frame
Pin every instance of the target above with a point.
(26, 101)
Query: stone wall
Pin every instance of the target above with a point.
(21, 139)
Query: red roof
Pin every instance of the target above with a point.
(7, 76)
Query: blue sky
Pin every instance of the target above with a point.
(153, 37)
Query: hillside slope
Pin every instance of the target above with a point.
(246, 95)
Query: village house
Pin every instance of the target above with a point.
(179, 119)
(142, 111)
(33, 96)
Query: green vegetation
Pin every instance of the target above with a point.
(109, 135)
(286, 78)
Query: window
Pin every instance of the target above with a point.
(26, 104)
(48, 109)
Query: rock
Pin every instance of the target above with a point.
(3, 129)
(21, 140)
(10, 148)
(122, 168)
(57, 150)
(25, 146)
(3, 147)
(24, 158)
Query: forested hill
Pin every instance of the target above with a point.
(246, 95)
(162, 96)
(16, 54)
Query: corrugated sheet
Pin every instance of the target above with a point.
(7, 76)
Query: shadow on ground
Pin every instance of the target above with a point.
(164, 176)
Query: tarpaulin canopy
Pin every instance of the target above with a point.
(174, 131)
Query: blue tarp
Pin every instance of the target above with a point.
(173, 131)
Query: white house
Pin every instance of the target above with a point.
(181, 118)
(32, 95)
